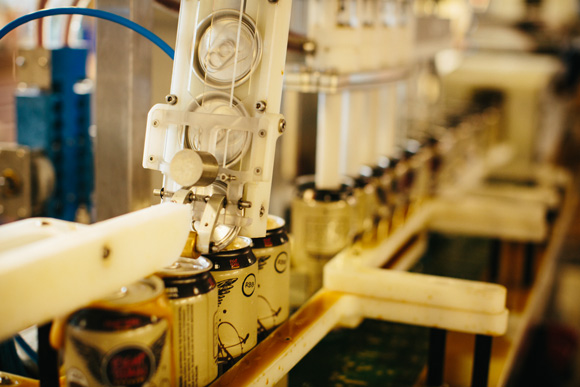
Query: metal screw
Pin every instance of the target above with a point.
(262, 133)
(5, 381)
(262, 211)
(309, 47)
(226, 177)
(20, 153)
(260, 106)
(171, 99)
(244, 204)
(155, 123)
(282, 126)
(43, 61)
(20, 61)
(258, 171)
(106, 252)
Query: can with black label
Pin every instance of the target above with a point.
(236, 272)
(123, 340)
(193, 297)
(273, 255)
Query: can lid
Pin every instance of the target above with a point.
(186, 267)
(274, 224)
(238, 245)
(138, 292)
(237, 255)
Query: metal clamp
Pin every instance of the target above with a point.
(208, 222)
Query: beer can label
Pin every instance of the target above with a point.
(194, 341)
(273, 286)
(119, 356)
(236, 318)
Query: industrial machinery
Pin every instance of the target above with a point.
(418, 180)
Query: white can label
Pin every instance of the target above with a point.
(236, 329)
(273, 286)
(194, 339)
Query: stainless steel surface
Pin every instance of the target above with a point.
(311, 81)
(123, 99)
(193, 168)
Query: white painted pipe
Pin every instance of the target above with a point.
(330, 119)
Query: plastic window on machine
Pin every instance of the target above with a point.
(226, 50)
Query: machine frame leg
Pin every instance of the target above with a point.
(436, 359)
(481, 360)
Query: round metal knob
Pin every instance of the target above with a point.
(192, 168)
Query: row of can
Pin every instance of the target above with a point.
(188, 323)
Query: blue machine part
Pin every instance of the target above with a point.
(57, 122)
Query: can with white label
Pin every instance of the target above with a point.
(235, 271)
(273, 255)
(193, 297)
(123, 340)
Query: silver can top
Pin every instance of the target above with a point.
(138, 292)
(186, 267)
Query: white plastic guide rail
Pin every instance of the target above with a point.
(225, 101)
(49, 268)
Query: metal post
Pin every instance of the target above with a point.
(123, 99)
(47, 359)
(481, 360)
(436, 360)
(529, 258)
(494, 260)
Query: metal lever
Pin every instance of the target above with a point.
(208, 222)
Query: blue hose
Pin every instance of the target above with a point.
(93, 13)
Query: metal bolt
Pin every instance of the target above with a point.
(262, 133)
(106, 252)
(282, 126)
(20, 61)
(155, 123)
(6, 381)
(260, 106)
(262, 211)
(226, 177)
(244, 204)
(258, 171)
(43, 61)
(171, 99)
(309, 47)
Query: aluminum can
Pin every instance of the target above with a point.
(235, 271)
(273, 255)
(192, 294)
(123, 340)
